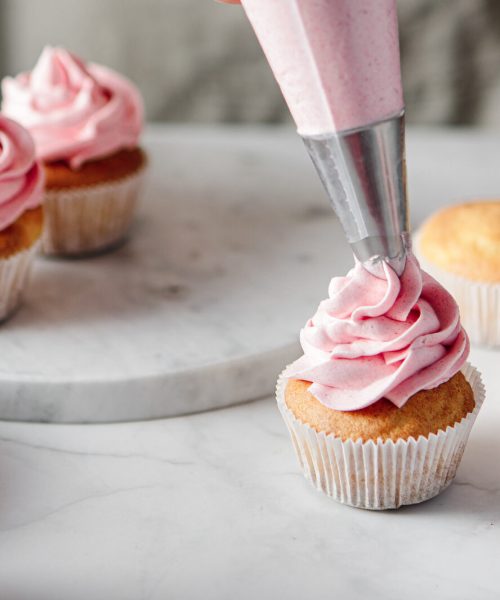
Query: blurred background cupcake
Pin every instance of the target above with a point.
(86, 121)
(460, 247)
(21, 215)
(381, 404)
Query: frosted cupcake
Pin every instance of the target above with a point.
(460, 246)
(21, 217)
(86, 121)
(381, 404)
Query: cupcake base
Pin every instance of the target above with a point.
(380, 475)
(14, 275)
(89, 219)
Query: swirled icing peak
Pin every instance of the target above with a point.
(380, 336)
(21, 177)
(75, 112)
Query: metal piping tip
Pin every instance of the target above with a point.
(364, 173)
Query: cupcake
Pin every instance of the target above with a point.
(86, 121)
(381, 403)
(21, 217)
(460, 247)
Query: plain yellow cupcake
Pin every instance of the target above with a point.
(460, 247)
(465, 240)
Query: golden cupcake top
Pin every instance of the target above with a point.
(465, 240)
(426, 412)
(59, 175)
(21, 234)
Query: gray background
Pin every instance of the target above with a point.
(196, 60)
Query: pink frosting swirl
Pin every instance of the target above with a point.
(380, 337)
(75, 112)
(21, 177)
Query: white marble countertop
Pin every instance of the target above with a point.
(213, 506)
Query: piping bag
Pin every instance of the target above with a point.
(337, 64)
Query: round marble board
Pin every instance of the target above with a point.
(232, 250)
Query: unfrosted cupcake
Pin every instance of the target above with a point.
(460, 246)
(381, 404)
(86, 121)
(21, 216)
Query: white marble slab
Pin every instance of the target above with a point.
(213, 506)
(232, 250)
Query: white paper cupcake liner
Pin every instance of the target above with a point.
(87, 219)
(479, 303)
(14, 275)
(381, 475)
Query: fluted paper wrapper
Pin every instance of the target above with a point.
(87, 219)
(14, 275)
(479, 303)
(380, 475)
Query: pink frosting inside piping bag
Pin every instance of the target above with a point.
(380, 337)
(336, 61)
(21, 177)
(75, 112)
